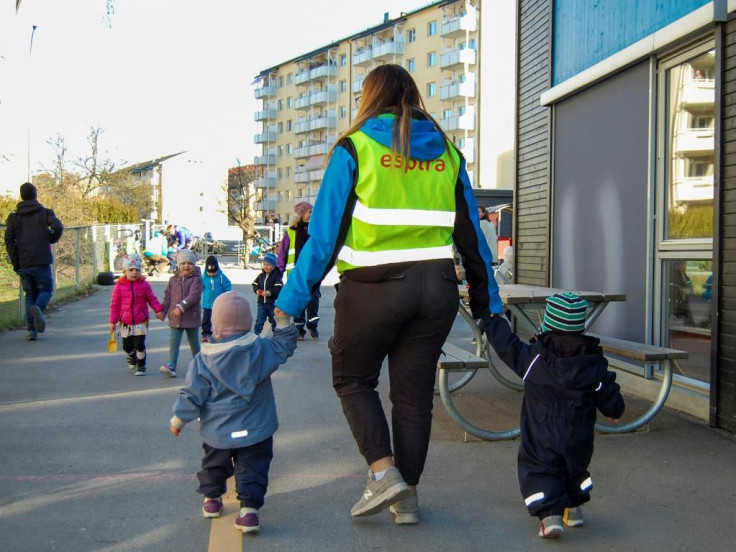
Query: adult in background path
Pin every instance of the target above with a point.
(395, 197)
(292, 244)
(31, 229)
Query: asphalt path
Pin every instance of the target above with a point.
(87, 462)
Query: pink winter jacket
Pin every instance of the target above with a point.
(130, 300)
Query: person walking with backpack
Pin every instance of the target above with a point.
(31, 230)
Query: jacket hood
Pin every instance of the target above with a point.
(426, 141)
(29, 206)
(575, 361)
(221, 357)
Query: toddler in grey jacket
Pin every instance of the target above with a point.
(228, 387)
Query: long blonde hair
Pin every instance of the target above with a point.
(390, 89)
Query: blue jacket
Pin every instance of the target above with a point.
(333, 210)
(213, 287)
(228, 387)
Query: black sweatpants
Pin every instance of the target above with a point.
(135, 347)
(403, 312)
(250, 465)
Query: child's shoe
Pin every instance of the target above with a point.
(406, 510)
(205, 339)
(247, 521)
(168, 369)
(573, 517)
(551, 527)
(140, 371)
(212, 507)
(131, 361)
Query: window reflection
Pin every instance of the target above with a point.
(688, 285)
(690, 122)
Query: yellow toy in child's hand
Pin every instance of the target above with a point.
(112, 343)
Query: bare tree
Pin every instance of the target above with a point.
(241, 196)
(95, 170)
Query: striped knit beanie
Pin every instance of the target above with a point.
(565, 312)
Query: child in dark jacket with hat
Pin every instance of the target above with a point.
(267, 286)
(566, 378)
(228, 387)
(214, 284)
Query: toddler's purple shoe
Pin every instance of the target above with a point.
(212, 507)
(247, 522)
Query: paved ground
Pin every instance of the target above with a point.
(87, 463)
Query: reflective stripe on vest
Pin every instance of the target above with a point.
(405, 208)
(291, 255)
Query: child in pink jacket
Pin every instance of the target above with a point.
(131, 298)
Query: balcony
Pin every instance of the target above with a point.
(387, 50)
(456, 27)
(269, 159)
(318, 98)
(268, 180)
(460, 122)
(309, 176)
(458, 90)
(358, 84)
(468, 151)
(265, 114)
(316, 123)
(265, 205)
(316, 149)
(363, 57)
(694, 141)
(693, 190)
(318, 73)
(454, 58)
(698, 93)
(265, 137)
(266, 90)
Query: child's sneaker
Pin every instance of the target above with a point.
(205, 339)
(131, 361)
(551, 527)
(573, 517)
(247, 521)
(168, 369)
(380, 494)
(406, 510)
(140, 371)
(212, 507)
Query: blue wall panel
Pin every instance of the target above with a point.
(588, 31)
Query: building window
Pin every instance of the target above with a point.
(684, 238)
(280, 128)
(343, 60)
(288, 169)
(447, 113)
(289, 102)
(461, 110)
(461, 143)
(280, 104)
(279, 173)
(412, 35)
(431, 59)
(289, 149)
(411, 65)
(280, 151)
(281, 81)
(431, 89)
(343, 112)
(432, 28)
(289, 78)
(288, 125)
(343, 85)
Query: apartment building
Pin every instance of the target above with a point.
(309, 101)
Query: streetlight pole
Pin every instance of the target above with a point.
(28, 136)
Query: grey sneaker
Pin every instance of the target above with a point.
(406, 511)
(380, 494)
(32, 335)
(551, 527)
(39, 322)
(573, 517)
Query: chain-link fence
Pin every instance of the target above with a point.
(247, 254)
(79, 256)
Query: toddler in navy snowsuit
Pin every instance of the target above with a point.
(267, 286)
(566, 379)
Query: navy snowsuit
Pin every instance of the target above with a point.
(566, 379)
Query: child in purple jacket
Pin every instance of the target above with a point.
(182, 305)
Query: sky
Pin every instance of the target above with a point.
(158, 76)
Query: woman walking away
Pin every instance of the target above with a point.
(394, 198)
